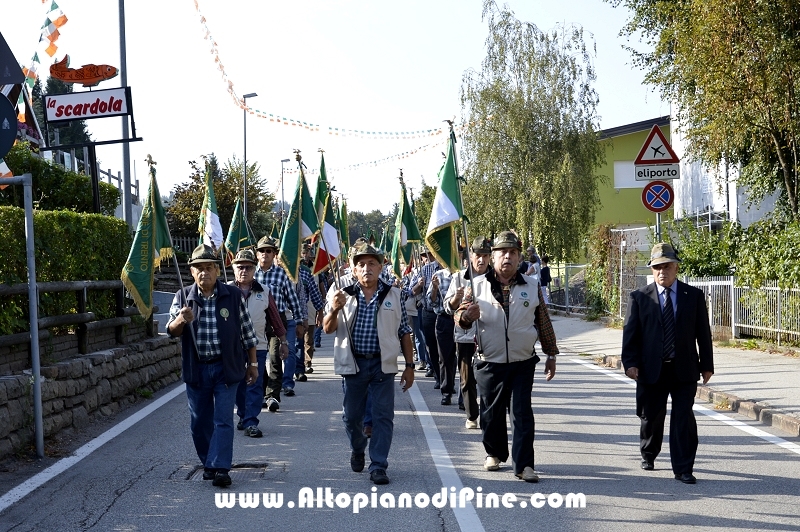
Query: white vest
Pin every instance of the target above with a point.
(257, 304)
(461, 336)
(509, 340)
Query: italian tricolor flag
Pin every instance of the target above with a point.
(329, 239)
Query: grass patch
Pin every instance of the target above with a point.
(144, 392)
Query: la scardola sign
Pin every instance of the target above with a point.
(85, 105)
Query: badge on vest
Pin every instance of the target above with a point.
(224, 313)
(523, 294)
(259, 296)
(388, 304)
(526, 304)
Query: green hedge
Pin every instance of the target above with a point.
(69, 247)
(55, 188)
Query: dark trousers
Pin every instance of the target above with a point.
(428, 323)
(500, 384)
(447, 353)
(651, 407)
(273, 375)
(469, 391)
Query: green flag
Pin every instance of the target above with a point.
(301, 223)
(344, 229)
(405, 231)
(321, 194)
(209, 227)
(275, 232)
(150, 244)
(446, 213)
(384, 238)
(238, 235)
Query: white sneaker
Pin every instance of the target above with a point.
(272, 404)
(471, 424)
(492, 463)
(528, 475)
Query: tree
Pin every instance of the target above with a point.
(531, 149)
(422, 206)
(731, 69)
(183, 213)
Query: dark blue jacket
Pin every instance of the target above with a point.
(229, 331)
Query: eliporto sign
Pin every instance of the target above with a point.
(84, 105)
(656, 159)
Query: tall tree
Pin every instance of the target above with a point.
(731, 69)
(187, 198)
(531, 152)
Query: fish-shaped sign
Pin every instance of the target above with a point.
(88, 75)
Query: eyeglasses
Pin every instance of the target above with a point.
(245, 268)
(661, 266)
(267, 250)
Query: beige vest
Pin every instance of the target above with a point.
(257, 305)
(389, 317)
(509, 340)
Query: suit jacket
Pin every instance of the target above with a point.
(642, 334)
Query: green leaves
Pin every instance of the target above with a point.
(531, 149)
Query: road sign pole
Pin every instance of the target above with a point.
(658, 227)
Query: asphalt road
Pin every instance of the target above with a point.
(586, 442)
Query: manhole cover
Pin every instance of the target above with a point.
(238, 472)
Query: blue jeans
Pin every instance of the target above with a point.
(380, 386)
(211, 417)
(291, 361)
(300, 354)
(318, 335)
(419, 340)
(249, 398)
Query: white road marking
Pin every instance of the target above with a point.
(467, 517)
(717, 416)
(62, 465)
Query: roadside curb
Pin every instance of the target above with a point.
(727, 402)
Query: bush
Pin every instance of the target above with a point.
(69, 247)
(703, 253)
(54, 187)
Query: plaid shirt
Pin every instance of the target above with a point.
(281, 288)
(426, 272)
(208, 344)
(310, 290)
(547, 336)
(365, 329)
(445, 278)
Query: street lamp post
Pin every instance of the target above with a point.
(282, 201)
(244, 171)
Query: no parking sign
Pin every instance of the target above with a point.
(657, 196)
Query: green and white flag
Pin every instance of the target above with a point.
(301, 223)
(150, 244)
(344, 229)
(446, 213)
(238, 235)
(405, 231)
(321, 194)
(209, 228)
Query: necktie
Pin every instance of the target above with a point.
(668, 321)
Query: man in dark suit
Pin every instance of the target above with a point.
(666, 346)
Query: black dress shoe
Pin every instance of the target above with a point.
(446, 399)
(357, 462)
(647, 465)
(686, 478)
(301, 378)
(208, 474)
(221, 478)
(437, 386)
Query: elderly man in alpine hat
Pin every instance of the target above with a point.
(371, 327)
(218, 348)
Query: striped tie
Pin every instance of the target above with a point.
(668, 319)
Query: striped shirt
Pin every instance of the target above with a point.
(445, 278)
(365, 329)
(426, 273)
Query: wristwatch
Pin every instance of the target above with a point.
(551, 357)
(410, 365)
(285, 343)
(253, 364)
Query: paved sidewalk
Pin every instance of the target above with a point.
(759, 385)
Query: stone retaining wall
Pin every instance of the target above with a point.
(78, 390)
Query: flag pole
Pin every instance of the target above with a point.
(464, 230)
(151, 163)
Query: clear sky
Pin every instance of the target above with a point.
(356, 64)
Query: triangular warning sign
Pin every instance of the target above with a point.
(656, 150)
(10, 71)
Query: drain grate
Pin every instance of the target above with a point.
(239, 472)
